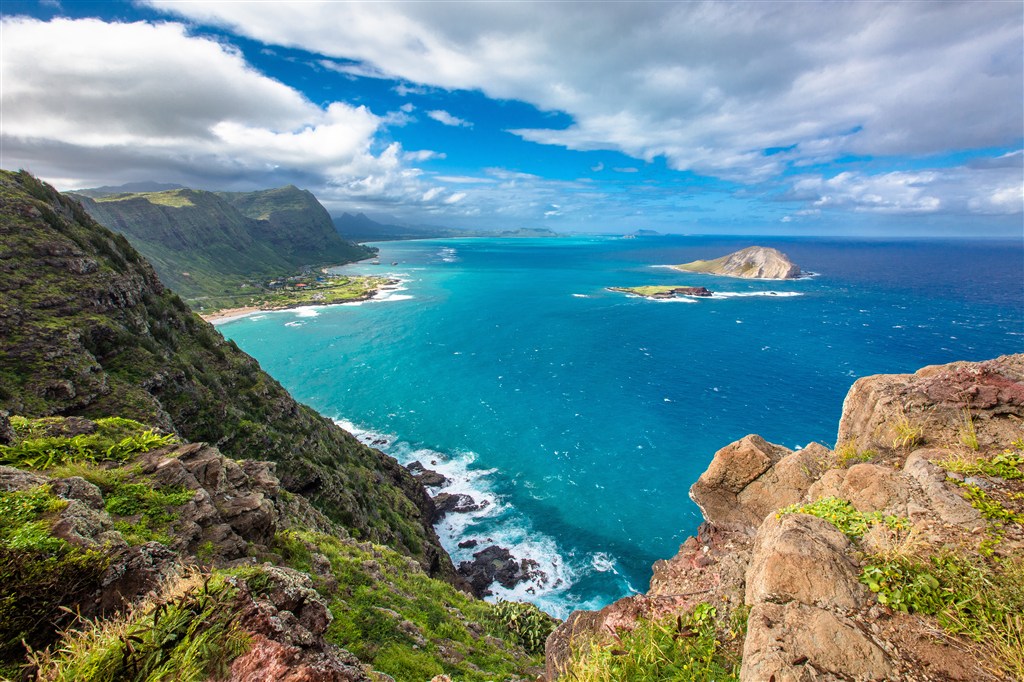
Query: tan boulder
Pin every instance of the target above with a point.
(751, 478)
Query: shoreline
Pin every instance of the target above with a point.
(230, 314)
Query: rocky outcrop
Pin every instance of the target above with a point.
(753, 262)
(750, 478)
(936, 402)
(810, 617)
(496, 565)
(286, 623)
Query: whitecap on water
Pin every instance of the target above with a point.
(494, 522)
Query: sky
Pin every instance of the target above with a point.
(790, 118)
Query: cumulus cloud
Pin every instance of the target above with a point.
(995, 190)
(144, 97)
(447, 119)
(737, 90)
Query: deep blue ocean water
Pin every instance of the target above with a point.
(583, 416)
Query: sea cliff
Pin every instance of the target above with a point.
(896, 555)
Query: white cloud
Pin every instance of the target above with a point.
(447, 119)
(118, 101)
(711, 87)
(995, 190)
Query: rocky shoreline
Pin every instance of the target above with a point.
(664, 292)
(492, 564)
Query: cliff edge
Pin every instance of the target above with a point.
(753, 262)
(897, 555)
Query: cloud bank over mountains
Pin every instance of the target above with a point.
(902, 109)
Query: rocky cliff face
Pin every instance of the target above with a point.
(753, 262)
(896, 556)
(208, 244)
(86, 328)
(177, 558)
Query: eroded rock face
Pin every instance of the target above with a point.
(936, 400)
(286, 622)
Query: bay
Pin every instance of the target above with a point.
(582, 416)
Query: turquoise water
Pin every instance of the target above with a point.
(583, 416)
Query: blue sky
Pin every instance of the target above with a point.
(727, 117)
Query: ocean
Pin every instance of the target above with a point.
(582, 416)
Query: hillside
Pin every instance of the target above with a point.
(99, 518)
(212, 248)
(360, 228)
(87, 329)
(296, 225)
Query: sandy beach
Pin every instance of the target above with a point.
(228, 314)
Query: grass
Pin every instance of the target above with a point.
(1007, 464)
(189, 633)
(412, 627)
(981, 600)
(114, 440)
(968, 433)
(907, 433)
(39, 573)
(687, 647)
(844, 516)
(847, 454)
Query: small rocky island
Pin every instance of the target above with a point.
(663, 291)
(753, 262)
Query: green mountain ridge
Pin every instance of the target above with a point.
(208, 246)
(87, 329)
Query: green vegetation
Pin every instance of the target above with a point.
(525, 623)
(150, 510)
(907, 433)
(1007, 464)
(112, 340)
(409, 626)
(207, 245)
(40, 573)
(844, 516)
(189, 634)
(300, 290)
(114, 440)
(982, 600)
(685, 648)
(968, 433)
(847, 454)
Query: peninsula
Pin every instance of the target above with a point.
(753, 262)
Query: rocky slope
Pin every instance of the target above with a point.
(205, 244)
(168, 560)
(87, 329)
(899, 555)
(753, 262)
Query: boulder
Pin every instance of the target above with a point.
(751, 478)
(496, 564)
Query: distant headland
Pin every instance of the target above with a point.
(753, 262)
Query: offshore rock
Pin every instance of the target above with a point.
(753, 262)
(496, 564)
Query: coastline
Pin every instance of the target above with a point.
(230, 314)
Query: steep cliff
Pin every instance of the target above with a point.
(899, 555)
(753, 262)
(204, 244)
(296, 225)
(86, 328)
